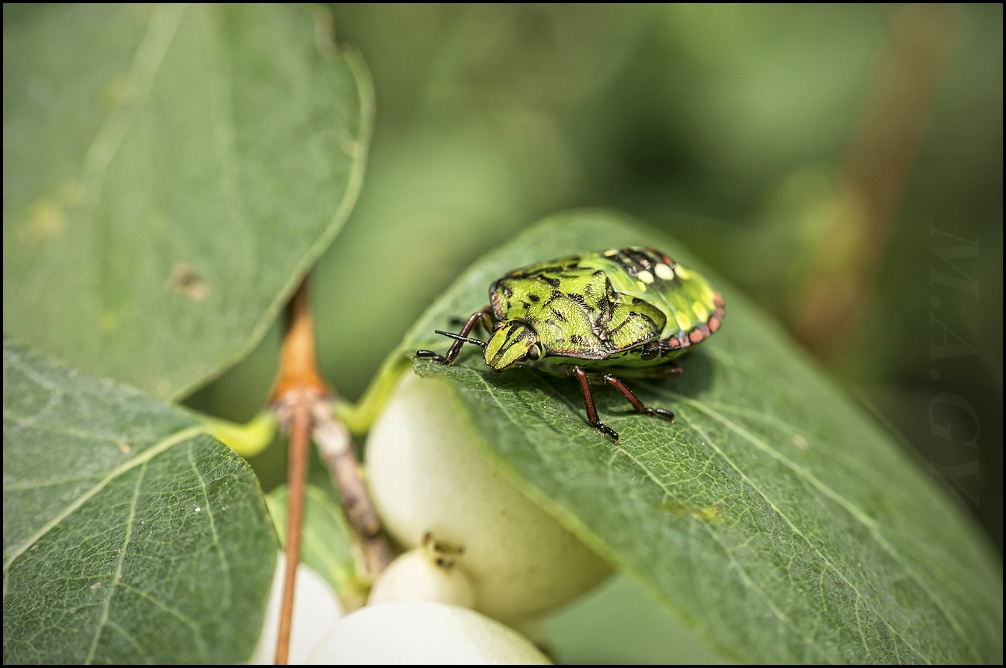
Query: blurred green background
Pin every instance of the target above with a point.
(829, 160)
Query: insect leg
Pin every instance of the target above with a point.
(588, 400)
(634, 400)
(452, 352)
(487, 320)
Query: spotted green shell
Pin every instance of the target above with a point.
(630, 308)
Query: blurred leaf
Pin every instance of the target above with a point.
(129, 536)
(774, 517)
(327, 543)
(619, 624)
(169, 173)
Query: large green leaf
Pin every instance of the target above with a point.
(129, 536)
(774, 516)
(169, 173)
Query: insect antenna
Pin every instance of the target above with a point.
(458, 337)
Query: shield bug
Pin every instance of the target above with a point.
(633, 311)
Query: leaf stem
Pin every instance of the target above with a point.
(298, 367)
(247, 439)
(336, 449)
(359, 417)
(303, 405)
(298, 388)
(300, 426)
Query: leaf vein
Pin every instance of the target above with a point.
(743, 433)
(224, 565)
(117, 576)
(174, 612)
(139, 460)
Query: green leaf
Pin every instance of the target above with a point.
(170, 172)
(129, 535)
(775, 517)
(327, 542)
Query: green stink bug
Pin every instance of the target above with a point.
(632, 310)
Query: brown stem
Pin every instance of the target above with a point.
(300, 428)
(298, 388)
(336, 449)
(303, 404)
(298, 367)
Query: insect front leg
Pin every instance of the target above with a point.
(588, 400)
(487, 321)
(635, 401)
(459, 339)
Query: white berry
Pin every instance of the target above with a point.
(315, 610)
(422, 632)
(428, 473)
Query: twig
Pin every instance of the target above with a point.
(303, 404)
(297, 390)
(336, 450)
(299, 426)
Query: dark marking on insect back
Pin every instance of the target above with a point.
(616, 330)
(588, 289)
(579, 300)
(648, 319)
(609, 309)
(556, 294)
(654, 349)
(534, 298)
(524, 273)
(642, 259)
